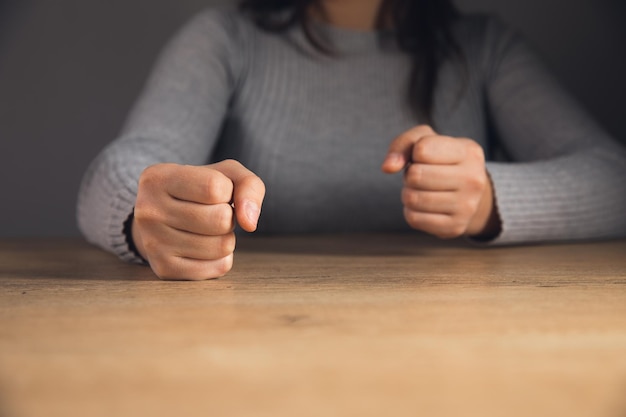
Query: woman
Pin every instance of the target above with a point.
(308, 98)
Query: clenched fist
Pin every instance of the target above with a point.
(447, 191)
(185, 217)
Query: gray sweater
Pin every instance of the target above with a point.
(316, 129)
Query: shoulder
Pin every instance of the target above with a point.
(486, 40)
(480, 31)
(225, 19)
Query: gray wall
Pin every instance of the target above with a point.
(70, 70)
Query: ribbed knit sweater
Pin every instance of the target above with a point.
(316, 128)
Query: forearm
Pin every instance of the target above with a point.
(108, 191)
(176, 119)
(578, 196)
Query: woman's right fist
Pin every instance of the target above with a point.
(185, 217)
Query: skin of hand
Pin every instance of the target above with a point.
(447, 191)
(185, 217)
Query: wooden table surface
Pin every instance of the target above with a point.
(360, 325)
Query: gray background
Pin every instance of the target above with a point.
(70, 70)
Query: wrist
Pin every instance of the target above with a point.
(485, 224)
(133, 239)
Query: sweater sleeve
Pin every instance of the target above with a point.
(568, 176)
(176, 119)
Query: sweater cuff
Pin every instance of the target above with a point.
(554, 200)
(120, 237)
(130, 242)
(522, 196)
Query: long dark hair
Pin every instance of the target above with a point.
(423, 29)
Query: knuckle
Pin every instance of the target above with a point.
(162, 269)
(223, 218)
(147, 214)
(254, 183)
(476, 182)
(426, 129)
(420, 150)
(227, 245)
(229, 165)
(232, 162)
(408, 197)
(456, 229)
(223, 266)
(474, 151)
(415, 224)
(153, 176)
(411, 219)
(415, 174)
(218, 186)
(150, 172)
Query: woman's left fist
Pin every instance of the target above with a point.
(447, 191)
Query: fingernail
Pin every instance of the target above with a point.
(252, 212)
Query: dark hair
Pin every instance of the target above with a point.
(423, 29)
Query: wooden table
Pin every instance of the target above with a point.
(361, 325)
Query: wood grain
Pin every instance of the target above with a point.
(354, 325)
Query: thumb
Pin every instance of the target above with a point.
(401, 148)
(248, 192)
